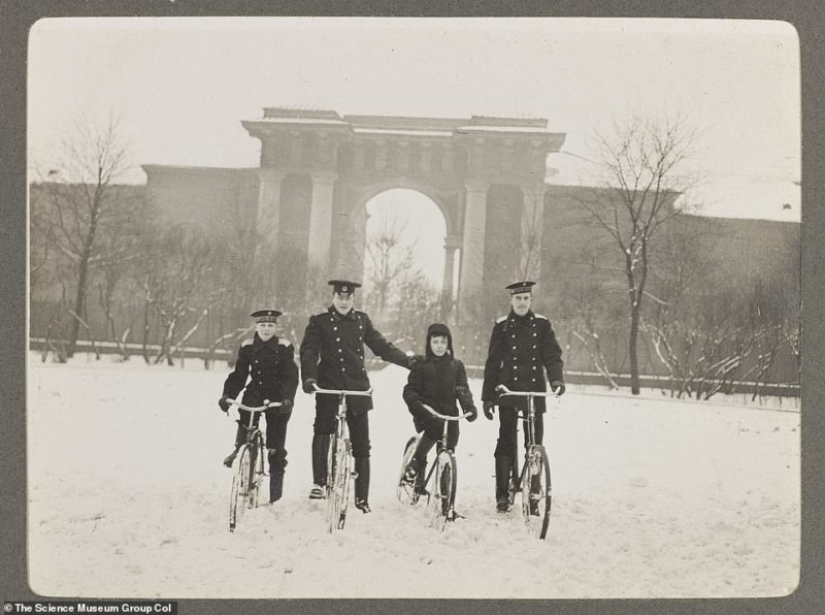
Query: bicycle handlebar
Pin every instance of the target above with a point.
(445, 417)
(267, 406)
(367, 393)
(503, 390)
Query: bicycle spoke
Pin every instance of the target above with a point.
(239, 494)
(536, 493)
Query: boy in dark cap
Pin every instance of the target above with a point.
(439, 381)
(523, 345)
(266, 370)
(332, 357)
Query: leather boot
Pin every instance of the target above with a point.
(276, 486)
(362, 484)
(240, 438)
(504, 470)
(320, 445)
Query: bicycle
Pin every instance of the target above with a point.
(440, 483)
(340, 474)
(250, 468)
(533, 480)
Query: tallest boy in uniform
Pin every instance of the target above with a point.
(332, 357)
(522, 346)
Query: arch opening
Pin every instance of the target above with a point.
(409, 275)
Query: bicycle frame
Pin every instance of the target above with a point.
(245, 486)
(339, 460)
(444, 457)
(533, 495)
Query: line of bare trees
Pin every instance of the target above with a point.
(646, 275)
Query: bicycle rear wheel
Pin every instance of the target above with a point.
(404, 491)
(339, 487)
(442, 490)
(536, 492)
(239, 495)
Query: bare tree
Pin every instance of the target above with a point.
(641, 163)
(389, 259)
(81, 205)
(182, 277)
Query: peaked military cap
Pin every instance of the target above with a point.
(266, 315)
(343, 286)
(520, 287)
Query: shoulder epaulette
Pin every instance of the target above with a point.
(284, 342)
(542, 316)
(247, 342)
(502, 319)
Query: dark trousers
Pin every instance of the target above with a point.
(358, 425)
(507, 445)
(276, 424)
(434, 427)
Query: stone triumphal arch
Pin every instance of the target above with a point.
(454, 162)
(318, 170)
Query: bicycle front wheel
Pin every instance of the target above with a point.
(257, 471)
(536, 492)
(442, 490)
(405, 491)
(339, 487)
(239, 495)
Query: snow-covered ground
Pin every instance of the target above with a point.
(652, 498)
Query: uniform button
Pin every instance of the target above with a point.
(515, 366)
(335, 328)
(514, 348)
(534, 335)
(337, 339)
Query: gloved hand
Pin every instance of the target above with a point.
(286, 407)
(309, 385)
(473, 414)
(557, 386)
(223, 404)
(415, 360)
(417, 409)
(489, 408)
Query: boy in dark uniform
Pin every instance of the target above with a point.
(522, 346)
(332, 357)
(440, 381)
(266, 368)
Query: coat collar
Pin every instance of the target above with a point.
(336, 315)
(513, 318)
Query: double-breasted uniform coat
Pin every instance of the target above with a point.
(332, 353)
(265, 371)
(522, 349)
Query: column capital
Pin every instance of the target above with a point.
(452, 242)
(476, 185)
(324, 177)
(534, 190)
(271, 174)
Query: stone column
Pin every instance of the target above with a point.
(532, 228)
(320, 221)
(451, 244)
(472, 251)
(269, 198)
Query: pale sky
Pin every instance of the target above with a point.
(184, 85)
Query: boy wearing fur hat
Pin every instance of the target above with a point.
(440, 381)
(266, 371)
